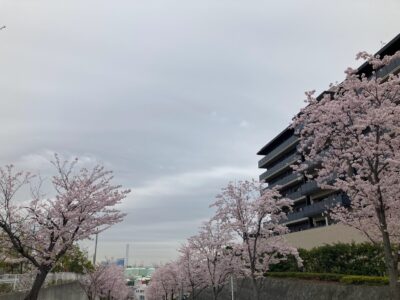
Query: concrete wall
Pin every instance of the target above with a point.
(67, 291)
(295, 289)
(320, 236)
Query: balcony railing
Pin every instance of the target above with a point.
(390, 68)
(288, 161)
(317, 208)
(282, 182)
(282, 147)
(305, 189)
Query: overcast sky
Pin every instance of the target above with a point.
(176, 97)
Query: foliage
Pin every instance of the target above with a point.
(340, 258)
(290, 264)
(347, 279)
(367, 280)
(354, 259)
(75, 260)
(5, 288)
(308, 276)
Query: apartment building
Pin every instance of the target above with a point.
(310, 201)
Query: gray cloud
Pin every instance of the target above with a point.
(175, 96)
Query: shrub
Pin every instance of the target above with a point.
(367, 280)
(308, 276)
(351, 259)
(347, 279)
(288, 265)
(75, 260)
(5, 288)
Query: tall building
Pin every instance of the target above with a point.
(310, 202)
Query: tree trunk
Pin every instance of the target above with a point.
(215, 294)
(37, 284)
(390, 261)
(192, 296)
(392, 267)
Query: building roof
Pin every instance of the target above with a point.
(139, 272)
(271, 144)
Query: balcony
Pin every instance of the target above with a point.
(284, 181)
(290, 142)
(392, 67)
(317, 208)
(305, 189)
(279, 167)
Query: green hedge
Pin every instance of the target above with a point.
(309, 276)
(5, 288)
(367, 280)
(352, 259)
(347, 279)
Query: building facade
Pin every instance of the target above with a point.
(139, 278)
(310, 201)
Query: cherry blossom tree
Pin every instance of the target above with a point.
(353, 133)
(43, 229)
(191, 271)
(254, 215)
(165, 282)
(216, 263)
(105, 282)
(155, 290)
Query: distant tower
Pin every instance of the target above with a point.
(127, 255)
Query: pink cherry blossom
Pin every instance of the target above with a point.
(253, 216)
(106, 282)
(165, 282)
(44, 229)
(354, 134)
(191, 272)
(214, 261)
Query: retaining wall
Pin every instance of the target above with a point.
(67, 291)
(295, 289)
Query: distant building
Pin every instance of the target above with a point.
(140, 291)
(120, 262)
(139, 278)
(310, 201)
(139, 272)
